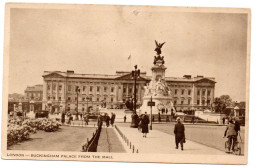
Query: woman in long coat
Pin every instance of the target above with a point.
(145, 122)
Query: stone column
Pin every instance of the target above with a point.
(206, 94)
(200, 96)
(44, 94)
(57, 95)
(120, 93)
(193, 95)
(127, 89)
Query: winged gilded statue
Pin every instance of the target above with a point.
(158, 47)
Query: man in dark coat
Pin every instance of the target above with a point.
(63, 117)
(113, 116)
(145, 121)
(179, 131)
(107, 119)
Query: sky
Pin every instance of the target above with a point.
(100, 40)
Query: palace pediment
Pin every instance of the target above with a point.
(53, 75)
(205, 80)
(129, 77)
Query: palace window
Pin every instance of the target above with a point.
(203, 92)
(83, 98)
(203, 102)
(182, 91)
(208, 102)
(84, 88)
(98, 89)
(175, 102)
(105, 89)
(83, 108)
(208, 92)
(198, 92)
(188, 101)
(176, 91)
(69, 88)
(69, 98)
(189, 92)
(60, 87)
(54, 87)
(97, 98)
(68, 108)
(59, 98)
(130, 90)
(182, 102)
(198, 101)
(124, 90)
(112, 89)
(112, 99)
(48, 87)
(91, 88)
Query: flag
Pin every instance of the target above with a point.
(129, 57)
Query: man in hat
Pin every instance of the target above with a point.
(179, 132)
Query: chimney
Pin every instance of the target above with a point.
(70, 72)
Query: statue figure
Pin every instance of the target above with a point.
(158, 47)
(158, 51)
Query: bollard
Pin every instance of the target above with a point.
(136, 150)
(133, 149)
(130, 145)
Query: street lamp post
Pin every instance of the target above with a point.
(77, 109)
(135, 75)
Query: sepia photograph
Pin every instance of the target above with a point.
(126, 83)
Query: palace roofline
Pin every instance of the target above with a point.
(71, 74)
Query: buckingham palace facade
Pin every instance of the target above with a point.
(66, 90)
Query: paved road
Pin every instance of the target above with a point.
(211, 136)
(65, 139)
(160, 142)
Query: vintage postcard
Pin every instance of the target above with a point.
(126, 83)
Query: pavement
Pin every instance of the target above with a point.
(160, 142)
(109, 142)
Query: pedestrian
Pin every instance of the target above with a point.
(80, 114)
(62, 118)
(124, 118)
(86, 118)
(167, 119)
(107, 119)
(179, 132)
(192, 119)
(145, 121)
(237, 125)
(159, 117)
(100, 120)
(223, 120)
(113, 116)
(231, 134)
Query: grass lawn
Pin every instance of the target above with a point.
(65, 139)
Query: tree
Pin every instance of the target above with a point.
(222, 102)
